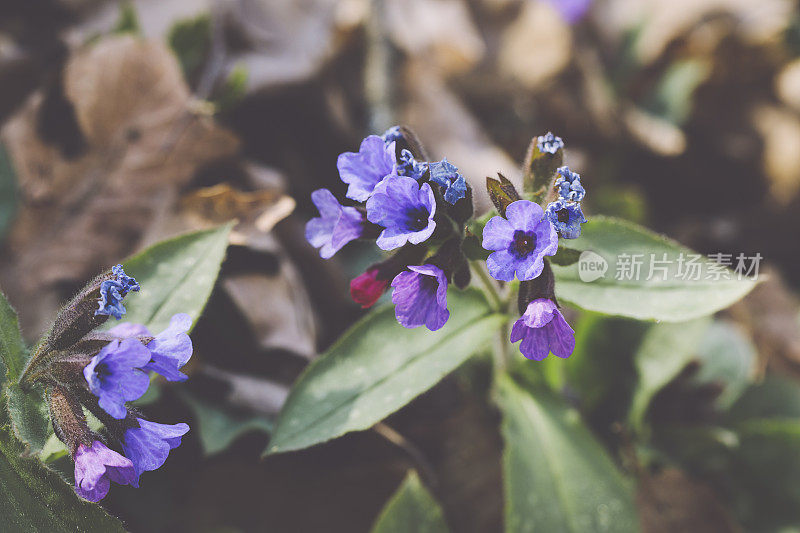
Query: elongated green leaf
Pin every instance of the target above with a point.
(557, 476)
(176, 276)
(664, 352)
(615, 285)
(34, 498)
(12, 347)
(8, 191)
(378, 367)
(218, 427)
(412, 508)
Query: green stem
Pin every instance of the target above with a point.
(492, 290)
(501, 356)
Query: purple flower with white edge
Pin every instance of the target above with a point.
(566, 218)
(520, 241)
(364, 169)
(96, 467)
(446, 174)
(420, 297)
(542, 330)
(114, 375)
(569, 185)
(549, 143)
(169, 350)
(337, 225)
(148, 445)
(112, 291)
(391, 135)
(405, 209)
(408, 166)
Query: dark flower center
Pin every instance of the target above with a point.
(523, 244)
(102, 371)
(563, 215)
(417, 219)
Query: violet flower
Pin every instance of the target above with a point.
(520, 241)
(405, 209)
(420, 297)
(112, 291)
(96, 467)
(542, 329)
(454, 186)
(336, 226)
(148, 445)
(549, 143)
(115, 375)
(566, 218)
(569, 185)
(364, 169)
(169, 350)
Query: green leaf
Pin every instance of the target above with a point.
(176, 276)
(674, 300)
(34, 498)
(12, 347)
(218, 428)
(234, 89)
(727, 357)
(128, 19)
(502, 193)
(411, 508)
(190, 39)
(665, 350)
(29, 418)
(376, 368)
(557, 476)
(8, 191)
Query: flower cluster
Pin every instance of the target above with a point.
(404, 204)
(421, 210)
(565, 213)
(102, 372)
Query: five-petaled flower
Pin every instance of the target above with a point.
(405, 209)
(520, 241)
(542, 329)
(169, 350)
(420, 297)
(96, 467)
(566, 218)
(364, 169)
(549, 143)
(113, 290)
(453, 184)
(149, 444)
(115, 375)
(336, 226)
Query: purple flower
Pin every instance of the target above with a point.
(148, 445)
(408, 166)
(549, 143)
(571, 10)
(391, 135)
(542, 330)
(96, 467)
(336, 227)
(566, 218)
(453, 184)
(405, 209)
(569, 185)
(363, 170)
(520, 241)
(114, 375)
(169, 350)
(420, 297)
(112, 291)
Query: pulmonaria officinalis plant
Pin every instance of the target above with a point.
(424, 209)
(81, 367)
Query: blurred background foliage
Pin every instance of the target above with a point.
(127, 122)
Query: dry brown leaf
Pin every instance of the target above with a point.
(143, 142)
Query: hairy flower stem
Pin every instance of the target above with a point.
(490, 285)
